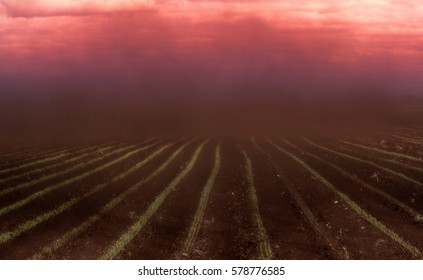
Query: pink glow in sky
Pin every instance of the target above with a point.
(287, 45)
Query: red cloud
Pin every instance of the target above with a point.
(217, 44)
(37, 8)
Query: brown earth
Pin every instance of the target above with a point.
(302, 218)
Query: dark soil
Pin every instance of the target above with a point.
(228, 229)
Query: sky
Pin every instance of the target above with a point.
(211, 48)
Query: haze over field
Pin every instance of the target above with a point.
(212, 129)
(67, 65)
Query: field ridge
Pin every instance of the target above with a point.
(202, 204)
(106, 208)
(310, 217)
(388, 170)
(38, 194)
(265, 247)
(361, 212)
(133, 230)
(410, 211)
(7, 236)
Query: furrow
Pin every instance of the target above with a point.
(55, 245)
(39, 154)
(398, 174)
(54, 157)
(7, 155)
(265, 248)
(309, 215)
(45, 158)
(40, 170)
(66, 171)
(360, 211)
(388, 153)
(69, 181)
(404, 139)
(400, 164)
(199, 214)
(7, 236)
(410, 211)
(119, 245)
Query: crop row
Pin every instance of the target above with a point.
(111, 156)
